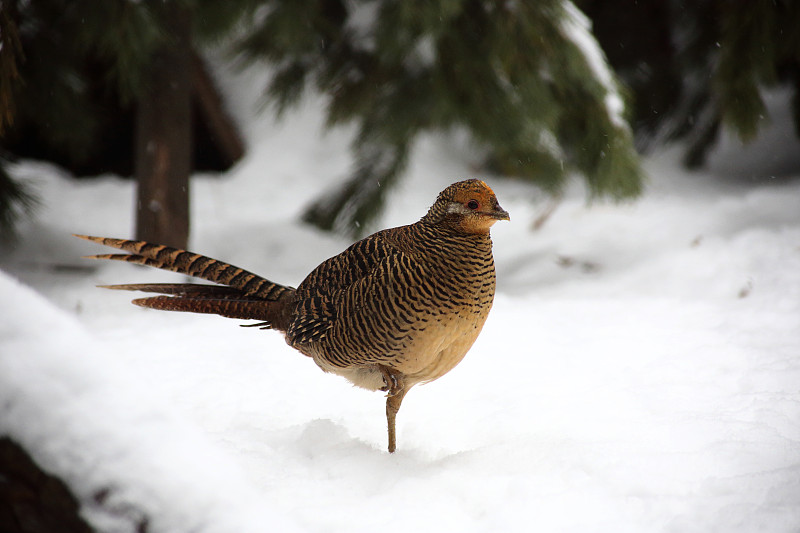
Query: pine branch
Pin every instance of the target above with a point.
(356, 204)
(16, 201)
(526, 80)
(746, 61)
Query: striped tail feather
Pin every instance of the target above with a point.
(269, 314)
(186, 290)
(199, 266)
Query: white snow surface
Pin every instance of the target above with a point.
(640, 370)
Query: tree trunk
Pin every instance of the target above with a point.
(164, 138)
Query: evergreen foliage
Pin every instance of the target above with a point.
(526, 80)
(15, 200)
(700, 65)
(82, 59)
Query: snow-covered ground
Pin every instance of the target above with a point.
(640, 370)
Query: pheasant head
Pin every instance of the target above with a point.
(469, 206)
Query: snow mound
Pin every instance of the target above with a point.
(95, 423)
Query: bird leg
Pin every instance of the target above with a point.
(396, 390)
(392, 406)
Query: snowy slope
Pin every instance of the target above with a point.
(640, 370)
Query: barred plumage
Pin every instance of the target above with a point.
(398, 308)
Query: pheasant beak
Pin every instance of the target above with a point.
(499, 213)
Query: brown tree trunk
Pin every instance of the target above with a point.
(164, 138)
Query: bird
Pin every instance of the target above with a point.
(398, 308)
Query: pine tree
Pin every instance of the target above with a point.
(525, 79)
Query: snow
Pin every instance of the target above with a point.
(639, 371)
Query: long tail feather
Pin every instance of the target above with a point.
(200, 266)
(186, 290)
(268, 313)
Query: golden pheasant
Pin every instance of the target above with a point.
(398, 308)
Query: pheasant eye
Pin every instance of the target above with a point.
(472, 204)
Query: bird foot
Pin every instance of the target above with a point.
(393, 382)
